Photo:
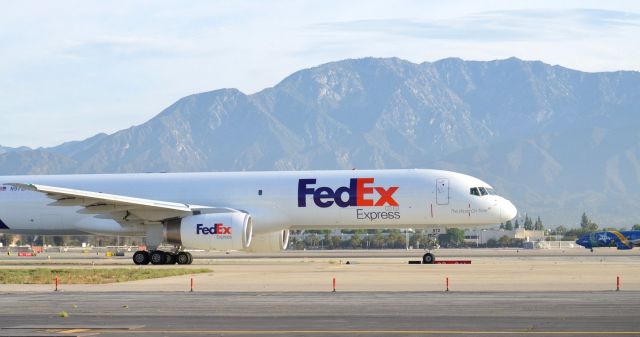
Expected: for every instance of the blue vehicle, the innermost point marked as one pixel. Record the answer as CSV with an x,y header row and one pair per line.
x,y
621,240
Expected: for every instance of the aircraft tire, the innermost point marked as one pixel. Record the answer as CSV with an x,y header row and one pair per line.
x,y
158,257
428,258
183,258
190,258
141,257
170,258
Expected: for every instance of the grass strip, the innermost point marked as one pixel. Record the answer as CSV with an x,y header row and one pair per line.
x,y
90,276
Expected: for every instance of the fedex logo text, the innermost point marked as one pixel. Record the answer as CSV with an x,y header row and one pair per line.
x,y
358,193
218,229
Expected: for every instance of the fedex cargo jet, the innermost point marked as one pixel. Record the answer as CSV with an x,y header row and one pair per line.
x,y
251,211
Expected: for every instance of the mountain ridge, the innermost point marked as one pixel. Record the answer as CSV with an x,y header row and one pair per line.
x,y
533,130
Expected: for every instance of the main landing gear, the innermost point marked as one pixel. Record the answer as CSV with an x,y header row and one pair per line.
x,y
142,257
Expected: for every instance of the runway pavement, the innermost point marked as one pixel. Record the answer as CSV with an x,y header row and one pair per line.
x,y
508,270
203,256
606,313
503,292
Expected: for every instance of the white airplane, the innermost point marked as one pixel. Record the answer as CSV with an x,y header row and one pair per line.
x,y
251,211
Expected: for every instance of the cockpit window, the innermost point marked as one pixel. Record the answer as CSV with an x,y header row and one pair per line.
x,y
480,191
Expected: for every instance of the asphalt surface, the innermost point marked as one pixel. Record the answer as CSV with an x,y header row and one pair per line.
x,y
322,314
341,254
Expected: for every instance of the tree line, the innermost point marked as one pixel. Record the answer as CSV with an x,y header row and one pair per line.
x,y
528,224
586,226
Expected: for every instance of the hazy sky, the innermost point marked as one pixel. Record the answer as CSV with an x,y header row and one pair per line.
x,y
71,69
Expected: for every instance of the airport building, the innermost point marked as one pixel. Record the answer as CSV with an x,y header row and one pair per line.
x,y
531,239
481,236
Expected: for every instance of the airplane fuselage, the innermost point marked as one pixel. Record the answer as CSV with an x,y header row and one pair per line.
x,y
622,240
275,200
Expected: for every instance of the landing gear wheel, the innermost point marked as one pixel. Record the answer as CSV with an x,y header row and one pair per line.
x,y
190,258
428,258
158,257
170,258
183,258
141,257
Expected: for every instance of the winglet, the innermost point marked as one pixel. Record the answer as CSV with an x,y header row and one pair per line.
x,y
28,187
3,225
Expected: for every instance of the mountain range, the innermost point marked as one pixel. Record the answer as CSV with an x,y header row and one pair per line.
x,y
557,142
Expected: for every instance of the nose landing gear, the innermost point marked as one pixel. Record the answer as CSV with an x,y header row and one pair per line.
x,y
428,258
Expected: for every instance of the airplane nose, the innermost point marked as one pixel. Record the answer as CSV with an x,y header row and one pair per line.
x,y
507,211
584,242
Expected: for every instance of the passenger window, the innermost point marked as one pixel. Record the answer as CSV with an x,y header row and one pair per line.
x,y
483,191
474,191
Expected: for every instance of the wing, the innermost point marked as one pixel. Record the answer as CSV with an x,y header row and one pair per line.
x,y
126,210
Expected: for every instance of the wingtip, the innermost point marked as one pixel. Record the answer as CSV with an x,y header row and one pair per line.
x,y
30,187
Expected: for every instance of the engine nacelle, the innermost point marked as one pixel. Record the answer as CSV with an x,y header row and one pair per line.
x,y
218,231
622,246
270,242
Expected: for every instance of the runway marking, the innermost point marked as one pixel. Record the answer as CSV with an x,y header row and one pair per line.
x,y
73,331
376,332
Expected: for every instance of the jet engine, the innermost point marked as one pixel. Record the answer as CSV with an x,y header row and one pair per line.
x,y
622,246
216,231
269,242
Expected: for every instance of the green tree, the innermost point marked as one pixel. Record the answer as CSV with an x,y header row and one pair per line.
x,y
336,242
423,241
587,225
572,234
454,237
356,242
538,225
396,239
296,244
516,225
492,243
516,242
312,241
636,227
328,243
504,241
560,230
508,225
528,224
377,241
457,235
314,231
585,221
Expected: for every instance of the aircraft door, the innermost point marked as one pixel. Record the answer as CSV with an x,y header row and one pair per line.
x,y
442,191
